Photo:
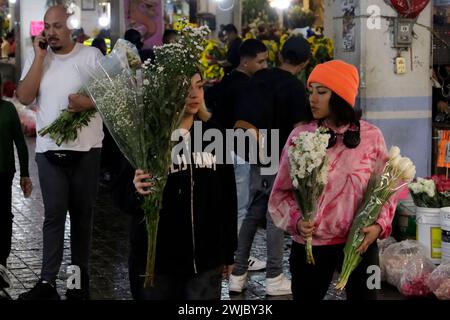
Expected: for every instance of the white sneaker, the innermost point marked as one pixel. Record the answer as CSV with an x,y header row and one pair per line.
x,y
278,286
254,264
5,281
237,284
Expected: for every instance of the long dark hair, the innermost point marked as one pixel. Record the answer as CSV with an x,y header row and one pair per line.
x,y
344,114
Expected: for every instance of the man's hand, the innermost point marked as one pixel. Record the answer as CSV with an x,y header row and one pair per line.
x,y
227,271
372,233
79,102
27,186
38,51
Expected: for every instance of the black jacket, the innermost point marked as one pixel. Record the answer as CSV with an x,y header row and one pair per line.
x,y
275,99
199,199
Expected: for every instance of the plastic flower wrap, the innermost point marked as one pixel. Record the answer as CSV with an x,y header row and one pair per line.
x,y
382,246
65,128
414,280
143,108
309,173
439,281
397,172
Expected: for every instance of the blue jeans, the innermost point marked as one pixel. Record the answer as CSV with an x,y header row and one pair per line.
x,y
242,176
260,188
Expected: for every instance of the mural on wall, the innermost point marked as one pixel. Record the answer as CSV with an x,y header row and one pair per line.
x,y
146,17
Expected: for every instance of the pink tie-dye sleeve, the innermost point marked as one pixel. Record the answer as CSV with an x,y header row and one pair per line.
x,y
387,213
282,204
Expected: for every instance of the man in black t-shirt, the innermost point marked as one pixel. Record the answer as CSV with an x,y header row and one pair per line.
x,y
223,99
276,99
233,40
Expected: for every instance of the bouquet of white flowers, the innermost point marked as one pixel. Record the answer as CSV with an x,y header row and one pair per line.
x,y
142,108
309,173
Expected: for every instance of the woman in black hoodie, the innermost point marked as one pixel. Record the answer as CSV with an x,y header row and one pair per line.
x,y
198,221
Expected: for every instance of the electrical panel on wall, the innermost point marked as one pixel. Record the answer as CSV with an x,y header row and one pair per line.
x,y
403,33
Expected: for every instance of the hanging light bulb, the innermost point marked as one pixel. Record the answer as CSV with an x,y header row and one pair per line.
x,y
280,4
74,22
12,1
8,15
103,21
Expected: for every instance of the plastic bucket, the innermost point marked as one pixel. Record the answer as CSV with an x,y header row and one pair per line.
x,y
406,219
429,231
445,225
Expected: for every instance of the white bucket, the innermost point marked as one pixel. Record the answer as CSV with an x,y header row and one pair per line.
x,y
445,225
429,232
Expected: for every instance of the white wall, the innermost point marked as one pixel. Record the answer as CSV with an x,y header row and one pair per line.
x,y
400,105
89,20
30,10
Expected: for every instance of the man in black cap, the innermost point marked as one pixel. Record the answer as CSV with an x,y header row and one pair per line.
x,y
276,99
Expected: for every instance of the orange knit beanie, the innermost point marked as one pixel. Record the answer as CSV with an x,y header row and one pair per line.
x,y
338,76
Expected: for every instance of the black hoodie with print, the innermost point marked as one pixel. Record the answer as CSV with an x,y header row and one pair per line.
x,y
198,221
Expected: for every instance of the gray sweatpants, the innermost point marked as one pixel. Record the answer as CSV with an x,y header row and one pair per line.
x,y
73,189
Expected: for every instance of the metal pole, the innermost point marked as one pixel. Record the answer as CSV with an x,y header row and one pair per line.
x,y
18,57
116,6
237,15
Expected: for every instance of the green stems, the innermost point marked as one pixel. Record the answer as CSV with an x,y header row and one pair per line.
x,y
65,127
151,207
309,254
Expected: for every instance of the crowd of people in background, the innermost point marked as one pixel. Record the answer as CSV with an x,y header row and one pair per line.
x,y
232,202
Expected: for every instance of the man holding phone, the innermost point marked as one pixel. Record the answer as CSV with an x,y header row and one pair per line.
x,y
68,174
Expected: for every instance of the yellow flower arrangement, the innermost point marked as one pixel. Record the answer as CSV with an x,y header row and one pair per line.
x,y
283,39
179,24
272,49
322,50
214,51
249,35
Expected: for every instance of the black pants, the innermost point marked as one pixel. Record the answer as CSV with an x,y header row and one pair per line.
x,y
74,189
205,285
311,282
6,216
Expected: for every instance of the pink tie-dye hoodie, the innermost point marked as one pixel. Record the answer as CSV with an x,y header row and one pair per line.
x,y
348,174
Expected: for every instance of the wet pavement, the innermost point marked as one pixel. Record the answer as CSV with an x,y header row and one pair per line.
x,y
109,254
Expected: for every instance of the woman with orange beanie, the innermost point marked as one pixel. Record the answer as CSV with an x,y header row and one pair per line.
x,y
354,149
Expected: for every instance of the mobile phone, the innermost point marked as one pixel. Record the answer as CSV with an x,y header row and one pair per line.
x,y
43,44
